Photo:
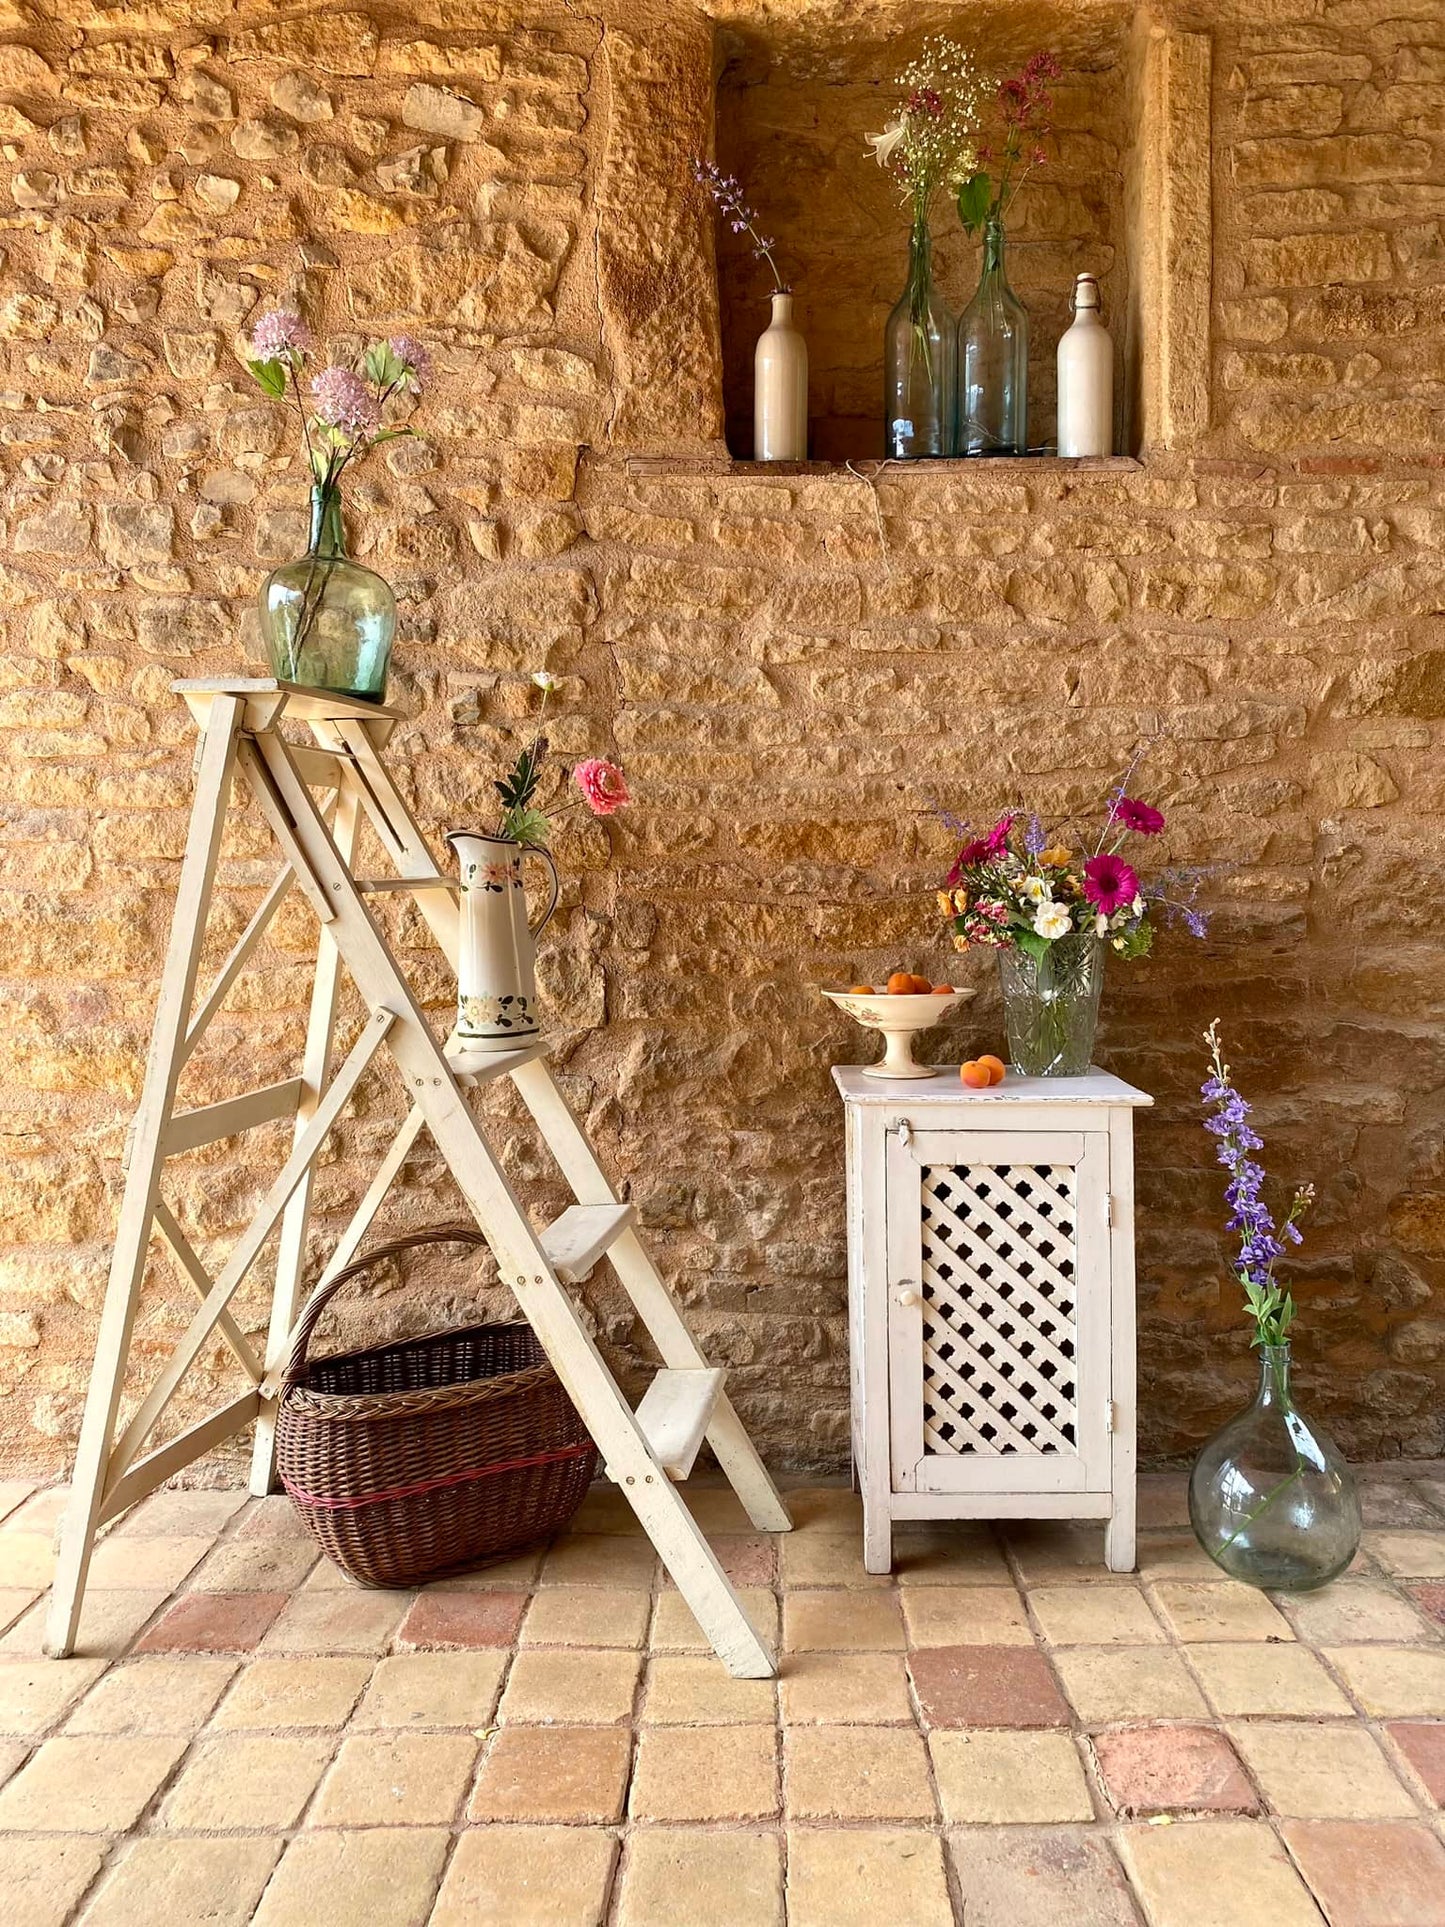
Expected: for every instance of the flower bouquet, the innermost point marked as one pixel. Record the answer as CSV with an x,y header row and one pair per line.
x,y
1053,915
329,621
927,146
1270,1499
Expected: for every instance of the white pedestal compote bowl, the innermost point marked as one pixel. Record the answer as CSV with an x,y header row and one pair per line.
x,y
900,1018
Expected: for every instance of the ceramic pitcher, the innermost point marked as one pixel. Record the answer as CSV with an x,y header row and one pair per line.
x,y
496,977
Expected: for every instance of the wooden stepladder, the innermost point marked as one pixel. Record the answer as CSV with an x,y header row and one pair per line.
x,y
341,771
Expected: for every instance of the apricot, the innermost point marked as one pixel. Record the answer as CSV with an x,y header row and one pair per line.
x,y
943,990
975,1075
995,1068
922,987
861,990
900,984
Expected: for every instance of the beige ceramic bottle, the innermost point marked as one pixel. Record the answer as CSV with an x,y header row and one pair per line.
x,y
1086,377
780,388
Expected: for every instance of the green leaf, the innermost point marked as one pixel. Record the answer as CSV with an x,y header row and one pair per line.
x,y
270,375
527,826
383,365
975,198
1031,943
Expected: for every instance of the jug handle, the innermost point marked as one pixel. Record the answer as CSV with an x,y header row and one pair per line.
x,y
546,918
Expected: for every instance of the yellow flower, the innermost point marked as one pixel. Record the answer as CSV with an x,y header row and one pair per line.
x,y
960,943
960,901
1055,858
945,903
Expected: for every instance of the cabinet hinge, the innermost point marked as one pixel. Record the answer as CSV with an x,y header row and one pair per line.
x,y
1113,1212
904,1131
1111,1415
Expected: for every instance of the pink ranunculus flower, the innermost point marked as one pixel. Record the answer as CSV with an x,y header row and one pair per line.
x,y
1142,818
1109,883
603,785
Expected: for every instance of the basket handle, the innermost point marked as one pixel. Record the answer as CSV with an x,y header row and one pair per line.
x,y
442,1234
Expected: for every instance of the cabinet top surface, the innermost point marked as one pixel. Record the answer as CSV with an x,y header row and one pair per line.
x,y
1094,1087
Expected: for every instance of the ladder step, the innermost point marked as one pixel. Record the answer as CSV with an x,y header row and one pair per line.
x,y
580,1236
675,1412
483,1065
381,886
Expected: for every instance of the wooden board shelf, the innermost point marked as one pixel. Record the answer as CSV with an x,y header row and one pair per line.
x,y
871,467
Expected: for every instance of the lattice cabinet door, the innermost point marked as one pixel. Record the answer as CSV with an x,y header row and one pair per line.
x,y
998,1311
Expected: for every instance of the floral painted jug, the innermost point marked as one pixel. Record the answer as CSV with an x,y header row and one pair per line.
x,y
496,975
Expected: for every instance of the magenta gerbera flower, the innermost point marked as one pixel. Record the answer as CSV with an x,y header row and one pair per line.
x,y
280,332
1142,818
1109,883
998,836
343,400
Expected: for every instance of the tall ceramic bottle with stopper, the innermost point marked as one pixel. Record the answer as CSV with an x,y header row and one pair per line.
x,y
1086,377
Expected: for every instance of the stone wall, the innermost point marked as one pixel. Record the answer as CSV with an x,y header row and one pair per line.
x,y
796,669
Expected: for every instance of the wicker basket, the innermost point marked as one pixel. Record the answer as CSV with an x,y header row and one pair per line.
x,y
430,1455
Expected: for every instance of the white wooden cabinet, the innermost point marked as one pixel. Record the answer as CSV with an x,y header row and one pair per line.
x,y
991,1301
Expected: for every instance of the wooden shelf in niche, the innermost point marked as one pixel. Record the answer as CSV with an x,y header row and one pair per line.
x,y
870,468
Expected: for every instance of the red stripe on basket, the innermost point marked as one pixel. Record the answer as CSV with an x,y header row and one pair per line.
x,y
434,1485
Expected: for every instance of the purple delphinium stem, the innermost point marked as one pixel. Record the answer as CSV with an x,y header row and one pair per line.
x,y
1261,1241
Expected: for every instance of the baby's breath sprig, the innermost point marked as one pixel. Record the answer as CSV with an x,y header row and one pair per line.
x,y
930,143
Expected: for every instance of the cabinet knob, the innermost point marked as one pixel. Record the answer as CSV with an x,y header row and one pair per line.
x,y
909,1295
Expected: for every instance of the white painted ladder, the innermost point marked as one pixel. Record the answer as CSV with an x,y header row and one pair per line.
x,y
644,1451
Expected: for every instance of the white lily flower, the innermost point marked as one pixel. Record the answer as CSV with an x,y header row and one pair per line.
x,y
883,144
544,679
1053,920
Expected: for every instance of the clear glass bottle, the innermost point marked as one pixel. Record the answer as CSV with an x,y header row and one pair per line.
x,y
993,360
1051,1005
327,621
919,362
1270,1499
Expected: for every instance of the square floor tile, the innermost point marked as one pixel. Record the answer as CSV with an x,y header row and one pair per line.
x,y
1430,1600
857,1773
1174,1555
987,1686
249,1780
706,1773
844,1689
1216,1873
1355,1611
1009,1778
1218,1609
965,1616
153,1696
382,1877
191,1514
147,1565
1172,1769
34,1693
558,1773
587,1616
528,1877
1409,1555
88,1785
1379,1873
687,1690
42,1878
842,1622
583,1686
675,1630
434,1689
1265,1679
1319,1771
1128,1683
336,1622
213,1622
731,1879
215,1881
109,1623
948,1554
294,1692
824,1559
441,1620
859,1876
267,1564
396,1779
1039,1877
1394,1682
600,1559
27,1560
1095,1616
1053,1554
1423,1744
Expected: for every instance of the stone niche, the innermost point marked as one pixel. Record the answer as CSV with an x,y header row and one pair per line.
x,y
1126,196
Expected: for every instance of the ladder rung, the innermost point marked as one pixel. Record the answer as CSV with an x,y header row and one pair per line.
x,y
580,1236
380,886
231,1115
483,1065
675,1412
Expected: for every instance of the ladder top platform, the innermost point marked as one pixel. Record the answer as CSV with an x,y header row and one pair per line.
x,y
1094,1087
266,696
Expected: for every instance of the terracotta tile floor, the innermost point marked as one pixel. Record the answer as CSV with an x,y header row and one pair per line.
x,y
1001,1734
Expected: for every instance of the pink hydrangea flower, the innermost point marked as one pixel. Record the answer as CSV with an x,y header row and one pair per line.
x,y
418,359
280,332
343,400
1142,818
603,785
1109,883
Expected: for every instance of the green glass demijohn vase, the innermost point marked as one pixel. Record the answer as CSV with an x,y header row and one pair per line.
x,y
328,622
1270,1499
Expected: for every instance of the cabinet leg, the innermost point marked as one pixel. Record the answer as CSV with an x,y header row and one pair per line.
x,y
1119,1536
877,1538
